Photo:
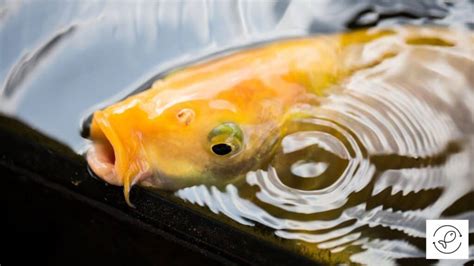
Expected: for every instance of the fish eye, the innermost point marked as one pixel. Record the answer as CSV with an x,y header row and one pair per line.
x,y
222,149
225,139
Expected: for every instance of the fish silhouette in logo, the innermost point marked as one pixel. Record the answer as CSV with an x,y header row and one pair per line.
x,y
448,238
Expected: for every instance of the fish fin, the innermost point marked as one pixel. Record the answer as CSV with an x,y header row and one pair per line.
x,y
443,243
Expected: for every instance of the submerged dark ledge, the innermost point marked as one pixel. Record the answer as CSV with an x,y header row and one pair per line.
x,y
56,213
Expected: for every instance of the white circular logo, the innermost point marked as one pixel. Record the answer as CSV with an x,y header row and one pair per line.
x,y
447,239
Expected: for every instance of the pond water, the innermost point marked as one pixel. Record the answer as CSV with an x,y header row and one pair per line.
x,y
395,149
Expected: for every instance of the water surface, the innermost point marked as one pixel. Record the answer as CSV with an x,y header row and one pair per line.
x,y
392,149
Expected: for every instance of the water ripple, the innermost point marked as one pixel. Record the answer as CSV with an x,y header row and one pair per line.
x,y
394,132
29,61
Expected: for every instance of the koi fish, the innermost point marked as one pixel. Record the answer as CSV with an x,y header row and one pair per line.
x,y
212,122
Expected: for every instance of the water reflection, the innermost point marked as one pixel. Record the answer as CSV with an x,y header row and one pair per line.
x,y
110,48
387,150
357,178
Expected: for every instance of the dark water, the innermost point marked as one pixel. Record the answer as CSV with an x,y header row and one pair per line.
x,y
398,148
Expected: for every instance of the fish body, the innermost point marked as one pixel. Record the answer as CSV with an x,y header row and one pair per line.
x,y
213,122
448,238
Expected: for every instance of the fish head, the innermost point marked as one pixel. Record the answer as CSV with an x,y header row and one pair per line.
x,y
183,132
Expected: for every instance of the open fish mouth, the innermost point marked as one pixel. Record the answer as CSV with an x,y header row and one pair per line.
x,y
110,160
102,155
101,160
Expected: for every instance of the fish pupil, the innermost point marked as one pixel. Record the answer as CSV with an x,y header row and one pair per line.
x,y
222,149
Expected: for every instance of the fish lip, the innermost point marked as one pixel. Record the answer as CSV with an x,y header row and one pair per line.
x,y
106,156
102,164
102,155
